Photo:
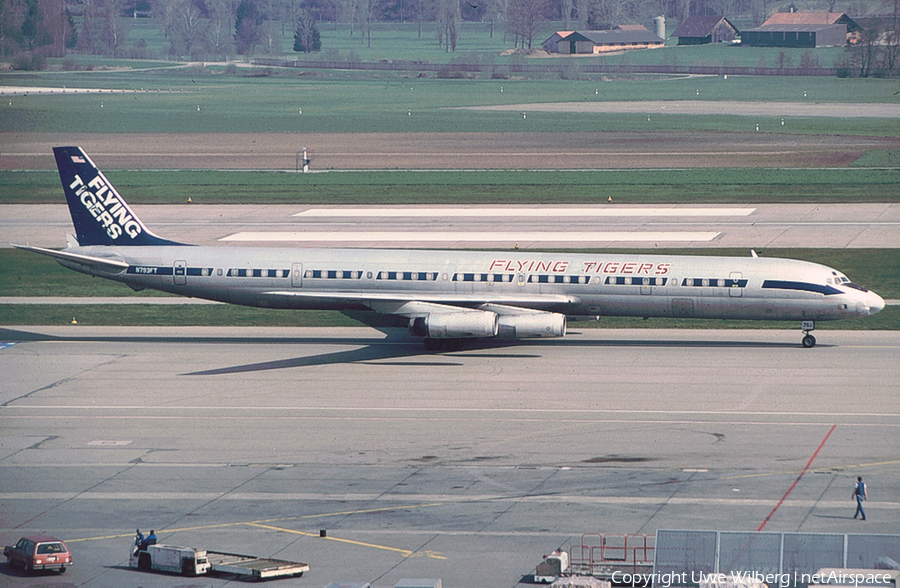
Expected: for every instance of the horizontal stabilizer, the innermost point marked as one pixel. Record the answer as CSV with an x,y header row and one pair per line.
x,y
98,263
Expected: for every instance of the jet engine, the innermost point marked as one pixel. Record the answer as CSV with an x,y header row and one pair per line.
x,y
537,324
455,325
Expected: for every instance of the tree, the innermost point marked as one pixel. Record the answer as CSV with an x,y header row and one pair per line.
x,y
188,30
12,15
601,14
91,27
365,13
567,8
114,28
447,23
247,27
221,23
306,34
422,10
270,37
524,17
347,12
58,29
891,49
863,55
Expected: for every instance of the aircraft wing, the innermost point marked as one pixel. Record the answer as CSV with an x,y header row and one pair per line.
x,y
102,264
418,303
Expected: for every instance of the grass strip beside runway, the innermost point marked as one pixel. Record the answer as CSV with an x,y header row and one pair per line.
x,y
522,187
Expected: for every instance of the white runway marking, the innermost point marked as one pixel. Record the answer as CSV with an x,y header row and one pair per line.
x,y
508,212
454,237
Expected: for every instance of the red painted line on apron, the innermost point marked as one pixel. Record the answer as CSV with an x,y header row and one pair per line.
x,y
797,481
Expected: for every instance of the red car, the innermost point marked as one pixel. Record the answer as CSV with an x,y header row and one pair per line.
x,y
40,552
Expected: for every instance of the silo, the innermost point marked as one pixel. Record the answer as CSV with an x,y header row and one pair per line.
x,y
660,22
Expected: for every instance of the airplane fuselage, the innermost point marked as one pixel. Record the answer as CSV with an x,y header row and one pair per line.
x,y
577,285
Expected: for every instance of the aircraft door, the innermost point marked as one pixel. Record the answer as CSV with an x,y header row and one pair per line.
x,y
180,272
646,288
297,275
734,289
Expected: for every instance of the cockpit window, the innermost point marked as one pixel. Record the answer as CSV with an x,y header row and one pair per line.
x,y
842,280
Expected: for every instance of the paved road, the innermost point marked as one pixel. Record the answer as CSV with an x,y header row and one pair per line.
x,y
608,226
463,466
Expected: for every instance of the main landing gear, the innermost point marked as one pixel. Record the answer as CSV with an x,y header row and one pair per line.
x,y
808,341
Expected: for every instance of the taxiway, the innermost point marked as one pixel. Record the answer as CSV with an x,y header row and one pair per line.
x,y
462,466
605,226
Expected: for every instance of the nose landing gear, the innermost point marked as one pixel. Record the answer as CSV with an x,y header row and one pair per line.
x,y
808,340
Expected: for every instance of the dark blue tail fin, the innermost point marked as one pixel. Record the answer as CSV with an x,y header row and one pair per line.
x,y
100,215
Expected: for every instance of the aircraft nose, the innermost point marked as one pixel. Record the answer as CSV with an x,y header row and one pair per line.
x,y
875,303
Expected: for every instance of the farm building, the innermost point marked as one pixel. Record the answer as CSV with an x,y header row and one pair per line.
x,y
595,42
803,29
824,18
631,28
700,30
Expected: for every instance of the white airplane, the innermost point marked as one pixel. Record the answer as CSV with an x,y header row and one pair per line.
x,y
446,296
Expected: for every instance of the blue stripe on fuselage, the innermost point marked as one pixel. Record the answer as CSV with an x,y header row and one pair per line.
x,y
804,286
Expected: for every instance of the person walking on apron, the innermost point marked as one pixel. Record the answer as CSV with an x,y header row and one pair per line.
x,y
859,492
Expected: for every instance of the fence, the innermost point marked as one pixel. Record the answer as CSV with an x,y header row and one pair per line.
x,y
688,554
601,554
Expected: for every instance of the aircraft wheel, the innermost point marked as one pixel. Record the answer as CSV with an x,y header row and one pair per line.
x,y
144,562
809,341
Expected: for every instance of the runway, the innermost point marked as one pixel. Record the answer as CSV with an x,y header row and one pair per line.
x,y
465,466
869,225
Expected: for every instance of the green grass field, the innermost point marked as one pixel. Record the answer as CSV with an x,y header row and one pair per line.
x,y
706,186
239,104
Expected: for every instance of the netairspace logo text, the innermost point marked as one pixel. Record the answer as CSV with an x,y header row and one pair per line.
x,y
749,579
